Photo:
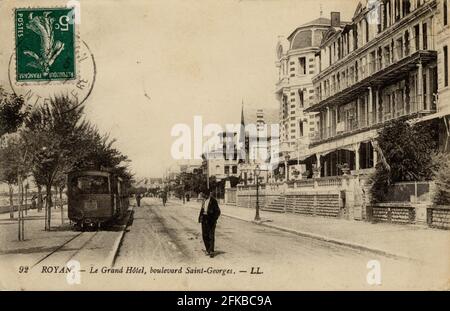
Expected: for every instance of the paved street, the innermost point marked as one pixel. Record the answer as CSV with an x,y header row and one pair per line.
x,y
160,241
170,237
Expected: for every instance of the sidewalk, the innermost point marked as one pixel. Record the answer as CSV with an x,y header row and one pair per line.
x,y
407,241
37,241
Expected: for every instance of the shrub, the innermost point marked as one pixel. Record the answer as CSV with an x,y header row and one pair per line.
x,y
442,178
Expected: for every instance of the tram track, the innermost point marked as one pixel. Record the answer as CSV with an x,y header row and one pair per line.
x,y
66,247
88,246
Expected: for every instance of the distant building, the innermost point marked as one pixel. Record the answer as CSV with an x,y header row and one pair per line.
x,y
241,151
222,162
260,145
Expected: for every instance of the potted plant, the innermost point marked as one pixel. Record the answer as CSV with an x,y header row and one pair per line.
x,y
344,167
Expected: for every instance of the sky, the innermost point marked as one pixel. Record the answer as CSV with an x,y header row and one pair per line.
x,y
160,63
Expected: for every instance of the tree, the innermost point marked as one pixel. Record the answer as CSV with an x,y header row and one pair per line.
x,y
100,154
54,134
12,112
8,171
406,152
14,168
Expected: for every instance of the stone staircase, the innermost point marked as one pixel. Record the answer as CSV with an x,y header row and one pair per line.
x,y
275,205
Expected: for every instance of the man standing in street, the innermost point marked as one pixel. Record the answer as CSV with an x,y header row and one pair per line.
x,y
209,214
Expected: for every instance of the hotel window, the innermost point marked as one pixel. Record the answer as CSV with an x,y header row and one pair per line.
x,y
416,36
445,66
367,29
445,9
301,98
234,169
425,36
227,170
397,9
329,54
406,7
302,65
300,127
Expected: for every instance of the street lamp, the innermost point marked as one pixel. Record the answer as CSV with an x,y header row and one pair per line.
x,y
257,172
287,158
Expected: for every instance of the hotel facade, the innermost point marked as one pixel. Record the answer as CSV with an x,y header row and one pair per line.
x,y
389,62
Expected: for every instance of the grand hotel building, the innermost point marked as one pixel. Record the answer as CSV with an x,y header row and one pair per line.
x,y
389,62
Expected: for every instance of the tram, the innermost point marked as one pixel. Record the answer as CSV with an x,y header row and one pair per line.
x,y
95,199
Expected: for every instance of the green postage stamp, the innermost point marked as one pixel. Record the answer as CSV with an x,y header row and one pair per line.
x,y
45,44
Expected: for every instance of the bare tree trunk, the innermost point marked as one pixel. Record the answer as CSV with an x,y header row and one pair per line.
x,y
19,210
26,200
48,206
39,198
11,202
56,197
62,205
45,215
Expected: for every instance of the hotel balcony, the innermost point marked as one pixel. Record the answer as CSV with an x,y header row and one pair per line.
x,y
374,120
376,73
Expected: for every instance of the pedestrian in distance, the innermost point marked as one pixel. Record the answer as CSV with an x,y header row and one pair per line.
x,y
209,213
164,197
34,201
138,199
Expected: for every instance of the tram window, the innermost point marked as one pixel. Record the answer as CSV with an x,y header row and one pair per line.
x,y
90,185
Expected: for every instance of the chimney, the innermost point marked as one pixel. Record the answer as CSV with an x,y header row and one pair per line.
x,y
335,19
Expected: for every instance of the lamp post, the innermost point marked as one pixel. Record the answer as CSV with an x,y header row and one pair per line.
x,y
287,158
257,172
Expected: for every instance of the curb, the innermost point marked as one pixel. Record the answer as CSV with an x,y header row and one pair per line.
x,y
319,237
111,258
328,239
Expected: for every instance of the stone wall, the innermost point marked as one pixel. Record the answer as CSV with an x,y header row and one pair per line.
x,y
324,203
319,204
393,213
439,217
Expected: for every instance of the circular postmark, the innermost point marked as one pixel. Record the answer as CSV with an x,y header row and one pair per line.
x,y
50,59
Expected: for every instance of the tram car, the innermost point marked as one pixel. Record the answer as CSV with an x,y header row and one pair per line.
x,y
95,199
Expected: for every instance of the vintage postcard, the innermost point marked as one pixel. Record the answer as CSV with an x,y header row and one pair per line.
x,y
224,145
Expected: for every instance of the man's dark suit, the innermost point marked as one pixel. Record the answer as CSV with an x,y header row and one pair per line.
x,y
208,222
